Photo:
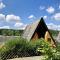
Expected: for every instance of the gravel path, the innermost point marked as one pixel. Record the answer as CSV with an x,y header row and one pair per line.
x,y
29,58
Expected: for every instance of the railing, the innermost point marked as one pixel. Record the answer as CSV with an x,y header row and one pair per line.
x,y
5,38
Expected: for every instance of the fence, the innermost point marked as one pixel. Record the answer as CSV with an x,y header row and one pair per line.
x,y
5,38
17,48
26,50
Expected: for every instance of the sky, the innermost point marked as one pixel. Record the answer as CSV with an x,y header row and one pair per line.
x,y
17,14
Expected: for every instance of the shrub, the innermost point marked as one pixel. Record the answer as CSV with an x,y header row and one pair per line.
x,y
20,48
11,48
50,53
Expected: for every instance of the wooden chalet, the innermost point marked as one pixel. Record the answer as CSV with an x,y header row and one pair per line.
x,y
38,30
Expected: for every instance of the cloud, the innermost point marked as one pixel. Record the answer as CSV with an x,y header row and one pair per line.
x,y
56,16
53,26
2,5
4,27
42,7
45,17
59,6
16,22
31,16
50,9
20,26
2,17
12,18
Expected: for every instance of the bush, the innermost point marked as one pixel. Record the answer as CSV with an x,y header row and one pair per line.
x,y
12,48
50,53
20,48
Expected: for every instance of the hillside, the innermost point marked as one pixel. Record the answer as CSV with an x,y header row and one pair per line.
x,y
11,32
54,32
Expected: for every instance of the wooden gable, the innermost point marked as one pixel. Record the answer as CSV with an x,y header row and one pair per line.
x,y
38,30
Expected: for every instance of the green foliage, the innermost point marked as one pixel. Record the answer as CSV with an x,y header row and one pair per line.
x,y
19,48
10,32
50,53
12,48
54,32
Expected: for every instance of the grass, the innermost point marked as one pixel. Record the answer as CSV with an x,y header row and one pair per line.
x,y
20,47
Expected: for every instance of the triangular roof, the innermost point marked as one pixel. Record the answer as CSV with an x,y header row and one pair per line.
x,y
58,37
30,29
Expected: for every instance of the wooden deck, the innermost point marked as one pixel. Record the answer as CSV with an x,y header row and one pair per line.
x,y
29,58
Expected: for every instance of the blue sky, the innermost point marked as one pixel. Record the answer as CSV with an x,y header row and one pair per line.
x,y
17,14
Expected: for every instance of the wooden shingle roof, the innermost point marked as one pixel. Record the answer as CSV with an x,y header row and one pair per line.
x,y
39,28
30,30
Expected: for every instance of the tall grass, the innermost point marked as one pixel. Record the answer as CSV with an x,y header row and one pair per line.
x,y
20,48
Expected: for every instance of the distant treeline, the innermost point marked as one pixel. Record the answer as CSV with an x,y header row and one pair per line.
x,y
54,32
11,32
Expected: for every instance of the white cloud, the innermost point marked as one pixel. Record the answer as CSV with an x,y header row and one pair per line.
x,y
2,5
20,26
56,16
50,9
16,22
42,7
31,16
53,26
9,18
45,17
2,17
59,6
4,27
12,18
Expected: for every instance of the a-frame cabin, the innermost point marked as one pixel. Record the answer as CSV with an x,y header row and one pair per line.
x,y
38,30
